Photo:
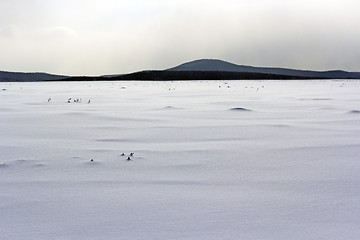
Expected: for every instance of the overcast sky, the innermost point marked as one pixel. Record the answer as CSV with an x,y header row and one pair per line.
x,y
93,37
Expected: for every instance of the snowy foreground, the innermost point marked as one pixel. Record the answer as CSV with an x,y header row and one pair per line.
x,y
256,160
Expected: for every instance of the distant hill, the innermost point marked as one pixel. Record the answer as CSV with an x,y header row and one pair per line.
x,y
204,69
219,65
28,77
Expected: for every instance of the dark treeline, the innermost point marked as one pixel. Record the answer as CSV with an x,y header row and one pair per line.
x,y
188,75
199,75
85,79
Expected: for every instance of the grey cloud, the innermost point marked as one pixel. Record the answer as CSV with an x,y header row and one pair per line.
x,y
58,33
10,31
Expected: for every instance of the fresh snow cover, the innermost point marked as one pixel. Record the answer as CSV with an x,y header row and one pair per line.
x,y
254,160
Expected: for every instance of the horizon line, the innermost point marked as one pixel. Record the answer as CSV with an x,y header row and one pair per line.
x,y
191,61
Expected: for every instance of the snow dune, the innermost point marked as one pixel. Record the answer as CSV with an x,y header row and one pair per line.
x,y
256,160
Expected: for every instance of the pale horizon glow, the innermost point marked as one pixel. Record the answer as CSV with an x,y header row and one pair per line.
x,y
107,37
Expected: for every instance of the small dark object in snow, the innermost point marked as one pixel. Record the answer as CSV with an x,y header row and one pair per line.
x,y
239,109
4,89
131,154
128,159
355,111
123,154
91,160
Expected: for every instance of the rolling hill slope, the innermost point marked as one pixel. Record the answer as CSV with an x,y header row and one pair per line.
x,y
28,77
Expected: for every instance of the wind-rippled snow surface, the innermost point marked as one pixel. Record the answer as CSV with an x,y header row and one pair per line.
x,y
212,160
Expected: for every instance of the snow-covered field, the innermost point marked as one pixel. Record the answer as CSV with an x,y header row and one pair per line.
x,y
212,160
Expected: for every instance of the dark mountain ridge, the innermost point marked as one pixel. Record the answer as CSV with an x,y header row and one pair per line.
x,y
219,65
